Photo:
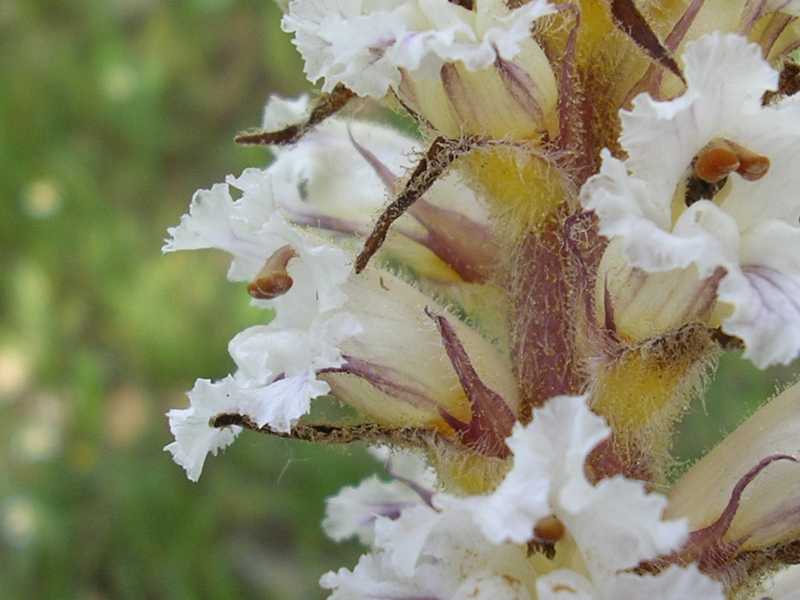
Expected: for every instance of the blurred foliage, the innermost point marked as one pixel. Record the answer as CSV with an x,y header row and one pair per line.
x,y
737,390
111,114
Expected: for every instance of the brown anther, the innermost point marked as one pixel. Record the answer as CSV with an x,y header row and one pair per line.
x,y
722,157
716,161
752,166
273,280
549,529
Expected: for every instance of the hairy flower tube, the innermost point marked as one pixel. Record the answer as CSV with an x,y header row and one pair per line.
x,y
522,293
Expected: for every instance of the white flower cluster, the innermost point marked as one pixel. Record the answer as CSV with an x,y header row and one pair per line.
x,y
444,546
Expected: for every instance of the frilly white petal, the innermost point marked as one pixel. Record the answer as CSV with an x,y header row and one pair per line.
x,y
445,558
261,352
620,525
365,45
673,583
277,367
194,438
549,456
353,511
374,577
252,229
627,210
615,523
281,403
278,404
405,538
765,294
565,431
663,137
278,362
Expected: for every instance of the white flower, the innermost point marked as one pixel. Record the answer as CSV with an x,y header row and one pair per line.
x,y
748,227
253,229
279,404
323,176
353,511
365,45
311,342
278,362
613,525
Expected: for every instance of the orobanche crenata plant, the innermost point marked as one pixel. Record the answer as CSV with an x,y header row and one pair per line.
x,y
522,299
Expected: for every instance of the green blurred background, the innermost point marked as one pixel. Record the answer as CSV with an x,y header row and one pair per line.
x,y
112,113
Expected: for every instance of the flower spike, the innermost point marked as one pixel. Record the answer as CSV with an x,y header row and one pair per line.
x,y
598,235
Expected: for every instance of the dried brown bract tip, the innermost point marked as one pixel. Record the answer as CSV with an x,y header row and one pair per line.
x,y
442,153
788,84
725,341
468,4
326,106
